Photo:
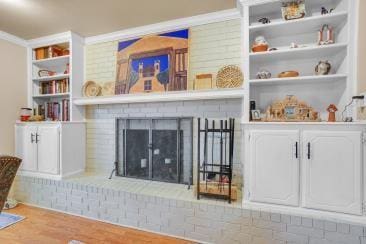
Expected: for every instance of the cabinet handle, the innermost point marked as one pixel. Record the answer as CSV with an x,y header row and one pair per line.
x,y
309,153
32,137
296,150
37,140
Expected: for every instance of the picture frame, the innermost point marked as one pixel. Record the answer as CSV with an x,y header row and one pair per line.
x,y
293,9
256,114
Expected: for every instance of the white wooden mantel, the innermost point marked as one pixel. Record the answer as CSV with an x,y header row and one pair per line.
x,y
162,97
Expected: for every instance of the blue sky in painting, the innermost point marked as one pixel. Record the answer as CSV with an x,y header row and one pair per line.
x,y
177,34
122,45
149,61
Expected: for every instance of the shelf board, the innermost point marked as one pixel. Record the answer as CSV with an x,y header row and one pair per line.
x,y
300,80
57,95
163,97
305,25
310,51
54,77
52,62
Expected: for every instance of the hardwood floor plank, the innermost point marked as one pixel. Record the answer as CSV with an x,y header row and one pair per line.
x,y
48,227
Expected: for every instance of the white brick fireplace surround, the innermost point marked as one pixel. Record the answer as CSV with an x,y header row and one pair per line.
x,y
171,209
134,203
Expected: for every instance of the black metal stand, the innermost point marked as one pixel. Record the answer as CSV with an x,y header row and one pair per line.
x,y
216,171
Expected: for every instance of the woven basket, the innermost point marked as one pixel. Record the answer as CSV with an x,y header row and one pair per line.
x,y
229,77
91,89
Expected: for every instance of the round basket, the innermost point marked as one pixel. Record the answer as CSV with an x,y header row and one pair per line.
x,y
108,88
229,77
91,89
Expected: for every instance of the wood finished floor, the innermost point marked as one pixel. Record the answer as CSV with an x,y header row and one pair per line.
x,y
49,227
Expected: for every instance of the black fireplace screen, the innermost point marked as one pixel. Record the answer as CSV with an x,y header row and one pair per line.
x,y
155,149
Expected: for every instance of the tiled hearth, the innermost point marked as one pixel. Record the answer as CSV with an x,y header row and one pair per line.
x,y
173,210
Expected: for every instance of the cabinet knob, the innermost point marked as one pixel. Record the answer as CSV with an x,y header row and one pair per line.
x,y
32,137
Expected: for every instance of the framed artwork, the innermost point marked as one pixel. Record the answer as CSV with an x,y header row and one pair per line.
x,y
155,63
293,9
256,115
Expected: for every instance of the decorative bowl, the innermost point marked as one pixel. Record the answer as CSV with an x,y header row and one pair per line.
x,y
260,48
288,74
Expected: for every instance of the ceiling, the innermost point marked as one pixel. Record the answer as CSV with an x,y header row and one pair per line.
x,y
29,19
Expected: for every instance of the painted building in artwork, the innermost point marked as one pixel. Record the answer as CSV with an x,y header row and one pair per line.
x,y
154,63
147,79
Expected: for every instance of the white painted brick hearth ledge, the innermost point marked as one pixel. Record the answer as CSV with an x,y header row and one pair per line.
x,y
133,203
163,97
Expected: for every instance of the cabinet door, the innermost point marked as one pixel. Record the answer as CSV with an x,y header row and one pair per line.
x,y
26,147
332,171
274,160
48,149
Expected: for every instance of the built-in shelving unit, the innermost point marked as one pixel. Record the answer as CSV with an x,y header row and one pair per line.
x,y
318,91
62,54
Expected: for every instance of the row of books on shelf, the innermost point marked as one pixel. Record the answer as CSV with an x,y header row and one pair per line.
x,y
50,52
55,111
54,86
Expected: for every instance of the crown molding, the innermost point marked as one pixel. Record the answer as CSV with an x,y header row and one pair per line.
x,y
166,26
50,39
13,39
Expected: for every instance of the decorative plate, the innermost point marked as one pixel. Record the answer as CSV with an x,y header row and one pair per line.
x,y
229,77
108,88
91,89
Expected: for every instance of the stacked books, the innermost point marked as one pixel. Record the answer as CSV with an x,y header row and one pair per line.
x,y
49,52
55,111
54,87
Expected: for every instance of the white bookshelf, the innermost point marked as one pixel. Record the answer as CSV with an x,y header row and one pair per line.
x,y
317,91
75,60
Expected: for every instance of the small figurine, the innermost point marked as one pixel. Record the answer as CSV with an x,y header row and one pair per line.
x,y
264,74
294,45
323,68
264,20
329,38
260,44
331,110
324,11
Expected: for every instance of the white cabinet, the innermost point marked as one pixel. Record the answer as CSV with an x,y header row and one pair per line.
x,y
51,150
332,171
48,149
275,166
311,167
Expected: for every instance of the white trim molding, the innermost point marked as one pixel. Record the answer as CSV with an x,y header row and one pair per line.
x,y
170,25
13,39
49,40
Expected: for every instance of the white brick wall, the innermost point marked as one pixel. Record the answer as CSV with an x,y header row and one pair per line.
x,y
101,119
198,220
211,47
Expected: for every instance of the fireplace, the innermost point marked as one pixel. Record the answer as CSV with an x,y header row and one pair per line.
x,y
158,149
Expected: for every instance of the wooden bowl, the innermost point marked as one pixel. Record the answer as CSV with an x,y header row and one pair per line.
x,y
288,74
260,48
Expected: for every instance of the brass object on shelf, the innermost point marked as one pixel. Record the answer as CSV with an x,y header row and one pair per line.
x,y
288,74
229,77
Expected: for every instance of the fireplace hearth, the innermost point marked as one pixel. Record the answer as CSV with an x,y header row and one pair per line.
x,y
158,149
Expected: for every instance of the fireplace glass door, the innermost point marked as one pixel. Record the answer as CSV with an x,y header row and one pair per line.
x,y
157,149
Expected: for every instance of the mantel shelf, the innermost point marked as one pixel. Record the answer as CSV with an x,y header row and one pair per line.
x,y
162,97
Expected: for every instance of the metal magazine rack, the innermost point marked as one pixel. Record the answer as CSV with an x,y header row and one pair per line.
x,y
215,149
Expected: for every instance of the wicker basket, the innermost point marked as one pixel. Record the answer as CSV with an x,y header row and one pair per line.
x,y
229,77
91,89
